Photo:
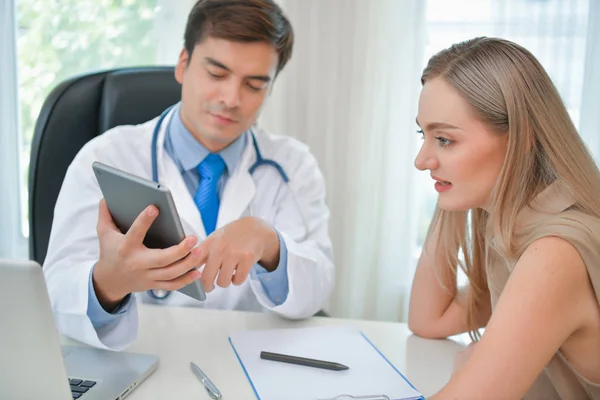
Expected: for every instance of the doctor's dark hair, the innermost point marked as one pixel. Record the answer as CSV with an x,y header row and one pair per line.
x,y
243,21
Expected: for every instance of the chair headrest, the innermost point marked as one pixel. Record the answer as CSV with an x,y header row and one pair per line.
x,y
136,96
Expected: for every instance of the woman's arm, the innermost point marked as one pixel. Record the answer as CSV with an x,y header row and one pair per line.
x,y
538,310
439,310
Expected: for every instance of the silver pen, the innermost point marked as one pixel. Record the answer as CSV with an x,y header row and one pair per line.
x,y
210,387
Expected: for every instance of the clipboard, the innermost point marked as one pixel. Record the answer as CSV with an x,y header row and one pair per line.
x,y
371,375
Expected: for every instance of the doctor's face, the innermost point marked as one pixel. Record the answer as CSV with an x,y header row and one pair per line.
x,y
224,87
463,156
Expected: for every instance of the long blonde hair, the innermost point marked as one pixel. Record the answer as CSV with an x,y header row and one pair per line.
x,y
512,95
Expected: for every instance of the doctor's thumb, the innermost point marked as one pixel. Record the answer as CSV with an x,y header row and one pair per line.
x,y
105,221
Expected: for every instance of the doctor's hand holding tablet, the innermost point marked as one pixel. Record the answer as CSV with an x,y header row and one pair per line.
x,y
147,250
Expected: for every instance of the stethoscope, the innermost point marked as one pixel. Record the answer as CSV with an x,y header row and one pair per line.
x,y
260,161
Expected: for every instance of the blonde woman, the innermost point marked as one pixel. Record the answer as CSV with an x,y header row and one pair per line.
x,y
519,212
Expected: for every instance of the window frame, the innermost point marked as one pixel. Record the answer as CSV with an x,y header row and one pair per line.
x,y
13,243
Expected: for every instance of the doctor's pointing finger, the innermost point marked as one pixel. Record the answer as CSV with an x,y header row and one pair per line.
x,y
230,252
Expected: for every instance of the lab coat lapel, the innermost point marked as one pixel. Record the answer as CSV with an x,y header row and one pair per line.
x,y
188,211
239,189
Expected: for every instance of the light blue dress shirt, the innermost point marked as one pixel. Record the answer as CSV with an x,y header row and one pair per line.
x,y
187,153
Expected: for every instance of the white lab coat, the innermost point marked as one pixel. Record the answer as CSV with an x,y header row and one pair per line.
x,y
73,248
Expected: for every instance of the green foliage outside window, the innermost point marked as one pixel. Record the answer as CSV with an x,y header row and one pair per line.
x,y
58,39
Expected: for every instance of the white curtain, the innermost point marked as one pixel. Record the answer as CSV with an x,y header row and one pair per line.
x,y
589,123
350,93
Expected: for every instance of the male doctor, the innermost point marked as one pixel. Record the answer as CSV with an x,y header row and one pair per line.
x,y
264,245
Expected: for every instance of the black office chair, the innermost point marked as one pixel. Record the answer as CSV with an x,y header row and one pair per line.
x,y
76,111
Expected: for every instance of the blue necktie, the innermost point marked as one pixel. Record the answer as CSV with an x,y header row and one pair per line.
x,y
206,197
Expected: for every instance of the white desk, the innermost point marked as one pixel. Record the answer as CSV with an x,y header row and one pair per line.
x,y
180,335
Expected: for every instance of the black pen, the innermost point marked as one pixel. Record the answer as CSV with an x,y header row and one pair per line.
x,y
308,362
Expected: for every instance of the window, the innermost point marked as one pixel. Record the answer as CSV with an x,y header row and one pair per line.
x,y
56,40
60,39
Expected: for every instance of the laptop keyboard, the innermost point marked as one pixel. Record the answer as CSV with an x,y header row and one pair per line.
x,y
79,387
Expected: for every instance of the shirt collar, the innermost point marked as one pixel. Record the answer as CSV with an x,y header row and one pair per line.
x,y
554,199
190,152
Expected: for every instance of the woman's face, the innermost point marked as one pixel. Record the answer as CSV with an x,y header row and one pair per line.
x,y
462,154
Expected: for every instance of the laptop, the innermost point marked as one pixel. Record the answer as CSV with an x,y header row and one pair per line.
x,y
34,365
